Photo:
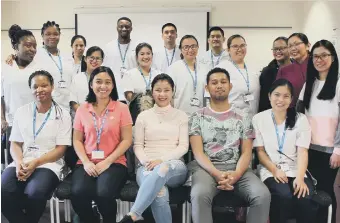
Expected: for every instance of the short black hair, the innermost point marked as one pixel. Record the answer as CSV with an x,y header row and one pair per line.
x,y
16,34
301,36
91,97
40,73
285,39
217,70
49,24
169,24
78,37
124,18
231,38
93,49
184,38
215,28
141,45
163,77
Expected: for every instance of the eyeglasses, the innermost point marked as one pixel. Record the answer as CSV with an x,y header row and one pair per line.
x,y
187,47
279,49
236,47
322,56
294,45
95,59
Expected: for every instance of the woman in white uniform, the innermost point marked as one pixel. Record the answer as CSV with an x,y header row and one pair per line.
x,y
138,80
80,82
189,77
78,44
282,140
14,89
40,134
246,85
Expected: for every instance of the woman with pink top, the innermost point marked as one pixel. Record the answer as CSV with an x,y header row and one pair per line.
x,y
161,139
320,100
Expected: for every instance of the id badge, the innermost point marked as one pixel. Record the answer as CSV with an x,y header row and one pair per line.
x,y
195,102
97,154
34,150
248,97
123,71
283,166
62,84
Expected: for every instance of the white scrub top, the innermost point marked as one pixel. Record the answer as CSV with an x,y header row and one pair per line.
x,y
57,131
211,60
163,58
79,88
185,85
14,87
113,59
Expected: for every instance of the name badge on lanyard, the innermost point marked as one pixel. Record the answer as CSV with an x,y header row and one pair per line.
x,y
123,69
194,101
248,96
147,83
97,153
61,83
167,58
218,59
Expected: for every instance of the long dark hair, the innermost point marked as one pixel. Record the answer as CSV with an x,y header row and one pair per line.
x,y
82,62
291,112
91,97
51,81
184,38
328,90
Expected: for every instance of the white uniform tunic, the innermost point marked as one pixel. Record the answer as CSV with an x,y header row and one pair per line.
x,y
164,58
79,88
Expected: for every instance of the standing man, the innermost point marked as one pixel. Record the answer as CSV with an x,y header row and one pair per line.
x,y
216,54
120,54
268,74
171,53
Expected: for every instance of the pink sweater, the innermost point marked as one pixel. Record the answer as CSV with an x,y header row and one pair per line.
x,y
161,133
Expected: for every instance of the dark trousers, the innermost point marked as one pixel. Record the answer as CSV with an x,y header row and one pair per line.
x,y
104,190
25,201
284,203
319,167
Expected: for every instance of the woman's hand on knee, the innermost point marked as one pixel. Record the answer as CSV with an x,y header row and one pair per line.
x,y
280,176
90,169
102,166
300,187
152,164
29,168
19,170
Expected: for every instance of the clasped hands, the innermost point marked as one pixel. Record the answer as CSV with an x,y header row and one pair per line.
x,y
226,180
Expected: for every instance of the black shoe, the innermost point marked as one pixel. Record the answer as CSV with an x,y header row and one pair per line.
x,y
126,219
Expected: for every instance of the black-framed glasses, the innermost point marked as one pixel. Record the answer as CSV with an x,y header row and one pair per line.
x,y
279,49
187,47
95,59
323,56
236,47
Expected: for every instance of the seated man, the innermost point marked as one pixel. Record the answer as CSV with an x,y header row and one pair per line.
x,y
221,140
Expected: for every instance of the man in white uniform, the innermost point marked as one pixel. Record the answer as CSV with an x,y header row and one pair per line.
x,y
120,54
166,56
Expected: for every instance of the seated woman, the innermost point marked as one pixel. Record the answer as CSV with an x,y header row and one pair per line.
x,y
282,140
161,139
40,135
102,134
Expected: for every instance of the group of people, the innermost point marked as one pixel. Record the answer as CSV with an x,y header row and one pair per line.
x,y
289,114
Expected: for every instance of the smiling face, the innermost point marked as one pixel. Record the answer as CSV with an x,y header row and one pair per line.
x,y
218,86
124,29
78,47
280,98
94,60
189,49
144,57
41,88
297,49
162,93
238,49
102,85
216,39
51,37
280,50
322,59
27,48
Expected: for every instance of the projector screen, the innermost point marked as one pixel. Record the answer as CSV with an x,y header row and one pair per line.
x,y
99,26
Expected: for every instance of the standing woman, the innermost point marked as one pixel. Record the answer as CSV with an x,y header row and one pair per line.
x,y
102,133
80,82
78,44
161,140
320,101
138,80
58,66
246,87
14,89
295,73
189,77
40,135
284,160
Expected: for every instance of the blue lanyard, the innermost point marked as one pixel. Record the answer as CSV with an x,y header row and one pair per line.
x,y
120,52
147,84
172,58
218,59
246,79
35,133
60,68
99,131
282,141
194,78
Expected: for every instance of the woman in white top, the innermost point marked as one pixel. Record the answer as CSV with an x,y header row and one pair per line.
x,y
80,82
41,132
14,89
189,77
246,85
138,80
282,140
78,44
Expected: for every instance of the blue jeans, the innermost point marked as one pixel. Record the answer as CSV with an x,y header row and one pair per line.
x,y
153,189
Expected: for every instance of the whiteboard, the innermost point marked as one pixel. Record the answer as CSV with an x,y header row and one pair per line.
x,y
259,43
100,28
